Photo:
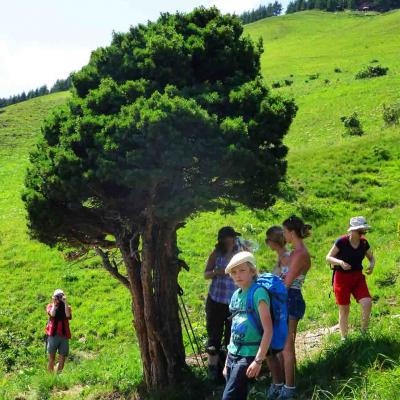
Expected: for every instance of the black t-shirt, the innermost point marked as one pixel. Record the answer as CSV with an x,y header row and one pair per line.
x,y
349,254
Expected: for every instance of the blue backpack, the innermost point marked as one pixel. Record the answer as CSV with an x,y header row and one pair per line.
x,y
279,312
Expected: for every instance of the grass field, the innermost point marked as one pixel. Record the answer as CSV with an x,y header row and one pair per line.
x,y
331,177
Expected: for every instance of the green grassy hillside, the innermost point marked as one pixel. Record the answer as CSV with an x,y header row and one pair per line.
x,y
331,177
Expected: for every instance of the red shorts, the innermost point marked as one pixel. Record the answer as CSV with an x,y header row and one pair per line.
x,y
346,284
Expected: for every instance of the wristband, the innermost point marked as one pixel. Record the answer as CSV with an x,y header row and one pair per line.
x,y
259,362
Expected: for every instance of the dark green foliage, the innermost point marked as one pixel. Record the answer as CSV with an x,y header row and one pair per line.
x,y
62,85
172,116
13,350
372,72
59,86
337,70
352,125
313,77
271,10
285,82
4,102
391,114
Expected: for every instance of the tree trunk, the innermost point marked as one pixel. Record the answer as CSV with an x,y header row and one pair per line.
x,y
153,281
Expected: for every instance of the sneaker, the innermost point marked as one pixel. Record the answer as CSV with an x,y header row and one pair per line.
x,y
287,393
273,392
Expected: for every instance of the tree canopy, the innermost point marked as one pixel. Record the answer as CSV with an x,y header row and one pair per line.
x,y
173,114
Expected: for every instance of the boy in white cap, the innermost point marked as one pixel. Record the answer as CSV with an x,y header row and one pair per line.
x,y
346,256
247,348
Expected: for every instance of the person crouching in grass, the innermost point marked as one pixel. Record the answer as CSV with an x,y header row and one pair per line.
x,y
247,349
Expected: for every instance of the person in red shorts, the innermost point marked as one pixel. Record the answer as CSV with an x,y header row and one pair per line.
x,y
346,256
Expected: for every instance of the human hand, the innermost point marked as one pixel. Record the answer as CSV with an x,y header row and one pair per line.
x,y
225,372
219,271
369,270
345,266
254,370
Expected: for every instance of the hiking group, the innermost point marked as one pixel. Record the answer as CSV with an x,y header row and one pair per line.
x,y
251,318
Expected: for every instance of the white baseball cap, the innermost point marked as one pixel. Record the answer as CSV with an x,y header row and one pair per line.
x,y
58,292
357,223
240,258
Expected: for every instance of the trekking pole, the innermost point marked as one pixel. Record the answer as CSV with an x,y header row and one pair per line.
x,y
189,327
192,330
187,332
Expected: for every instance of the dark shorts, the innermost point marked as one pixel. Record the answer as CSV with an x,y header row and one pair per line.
x,y
237,382
296,304
346,284
218,324
58,343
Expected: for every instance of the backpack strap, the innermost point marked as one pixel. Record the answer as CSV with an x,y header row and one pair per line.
x,y
251,310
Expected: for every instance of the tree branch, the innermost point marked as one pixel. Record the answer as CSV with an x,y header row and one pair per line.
x,y
112,269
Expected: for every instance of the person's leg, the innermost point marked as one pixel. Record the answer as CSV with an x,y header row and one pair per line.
x,y
52,346
344,311
61,362
215,329
289,354
275,365
366,305
237,382
52,360
342,287
362,295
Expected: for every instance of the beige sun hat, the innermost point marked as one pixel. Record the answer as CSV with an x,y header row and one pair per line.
x,y
357,223
240,258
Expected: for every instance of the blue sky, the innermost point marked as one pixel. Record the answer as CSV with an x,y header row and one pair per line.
x,y
42,40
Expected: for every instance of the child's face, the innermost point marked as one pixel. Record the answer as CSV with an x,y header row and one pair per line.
x,y
243,275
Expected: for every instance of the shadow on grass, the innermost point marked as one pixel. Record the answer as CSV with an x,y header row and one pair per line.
x,y
350,360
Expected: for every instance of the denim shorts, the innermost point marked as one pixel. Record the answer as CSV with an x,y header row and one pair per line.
x,y
60,343
296,304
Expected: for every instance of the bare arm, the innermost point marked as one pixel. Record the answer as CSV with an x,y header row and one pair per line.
x,y
53,309
210,271
371,259
255,367
331,258
67,308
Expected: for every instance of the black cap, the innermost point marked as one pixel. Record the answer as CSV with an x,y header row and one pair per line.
x,y
227,231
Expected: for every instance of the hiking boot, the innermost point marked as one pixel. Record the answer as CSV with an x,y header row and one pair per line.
x,y
287,393
274,391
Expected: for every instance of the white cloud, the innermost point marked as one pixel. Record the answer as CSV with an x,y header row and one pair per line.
x,y
27,66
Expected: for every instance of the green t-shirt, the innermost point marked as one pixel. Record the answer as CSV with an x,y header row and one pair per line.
x,y
242,329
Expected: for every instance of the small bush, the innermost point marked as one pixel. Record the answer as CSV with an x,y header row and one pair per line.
x,y
276,84
352,125
337,70
391,114
326,81
374,61
313,77
372,72
288,82
381,154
